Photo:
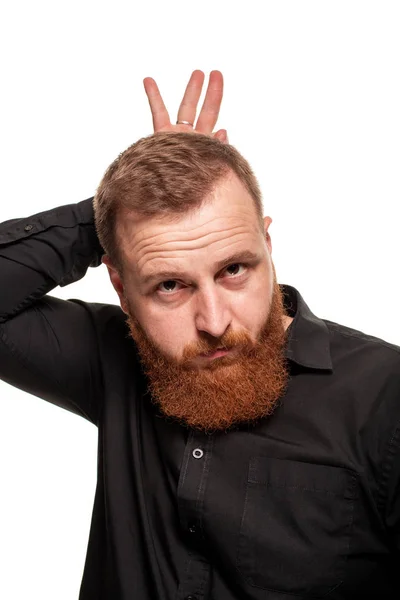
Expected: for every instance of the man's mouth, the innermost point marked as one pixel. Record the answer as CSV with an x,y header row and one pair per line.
x,y
215,353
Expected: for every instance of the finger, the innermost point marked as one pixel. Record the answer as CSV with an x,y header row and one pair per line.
x,y
188,107
222,136
158,111
212,103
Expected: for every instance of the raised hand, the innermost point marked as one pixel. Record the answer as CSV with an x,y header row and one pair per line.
x,y
208,116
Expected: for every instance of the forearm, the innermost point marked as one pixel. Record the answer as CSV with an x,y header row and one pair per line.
x,y
38,253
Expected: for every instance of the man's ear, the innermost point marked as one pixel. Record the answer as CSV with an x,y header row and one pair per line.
x,y
116,281
267,223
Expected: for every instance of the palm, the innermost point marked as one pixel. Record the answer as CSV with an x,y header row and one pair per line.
x,y
188,108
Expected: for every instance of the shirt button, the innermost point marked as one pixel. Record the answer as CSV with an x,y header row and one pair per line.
x,y
198,453
28,227
192,528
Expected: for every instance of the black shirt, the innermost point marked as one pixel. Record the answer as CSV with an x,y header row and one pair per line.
x,y
306,504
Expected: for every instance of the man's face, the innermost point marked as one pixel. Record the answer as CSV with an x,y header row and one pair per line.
x,y
203,282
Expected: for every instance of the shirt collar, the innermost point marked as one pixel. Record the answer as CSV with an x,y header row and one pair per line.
x,y
308,336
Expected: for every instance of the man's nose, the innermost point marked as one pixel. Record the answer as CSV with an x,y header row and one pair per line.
x,y
212,314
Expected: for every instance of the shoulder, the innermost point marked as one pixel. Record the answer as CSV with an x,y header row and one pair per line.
x,y
360,350
367,371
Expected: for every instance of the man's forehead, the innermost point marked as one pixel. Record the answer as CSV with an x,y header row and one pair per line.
x,y
161,243
144,232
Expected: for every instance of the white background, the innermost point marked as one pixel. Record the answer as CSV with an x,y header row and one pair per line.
x,y
312,100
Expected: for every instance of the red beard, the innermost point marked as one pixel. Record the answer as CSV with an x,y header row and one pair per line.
x,y
237,388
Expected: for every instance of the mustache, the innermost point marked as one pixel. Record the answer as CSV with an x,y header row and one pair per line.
x,y
231,340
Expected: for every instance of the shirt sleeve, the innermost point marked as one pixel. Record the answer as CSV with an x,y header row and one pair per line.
x,y
48,346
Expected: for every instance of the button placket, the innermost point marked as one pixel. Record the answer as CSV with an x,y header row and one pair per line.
x,y
191,489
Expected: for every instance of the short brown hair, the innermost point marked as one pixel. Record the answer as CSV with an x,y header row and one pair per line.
x,y
166,174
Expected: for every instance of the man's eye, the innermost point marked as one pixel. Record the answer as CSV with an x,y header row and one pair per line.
x,y
168,284
234,267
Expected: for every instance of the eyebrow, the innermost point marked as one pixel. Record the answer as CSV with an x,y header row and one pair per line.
x,y
244,256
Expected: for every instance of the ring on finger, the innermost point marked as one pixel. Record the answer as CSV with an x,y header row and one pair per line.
x,y
184,123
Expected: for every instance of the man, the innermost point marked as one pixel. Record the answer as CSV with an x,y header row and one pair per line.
x,y
247,448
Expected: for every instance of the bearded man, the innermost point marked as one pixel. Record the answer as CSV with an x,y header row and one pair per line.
x,y
247,448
